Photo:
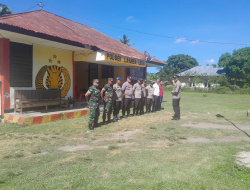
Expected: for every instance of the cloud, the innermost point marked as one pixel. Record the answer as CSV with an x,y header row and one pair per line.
x,y
195,41
131,19
209,61
180,40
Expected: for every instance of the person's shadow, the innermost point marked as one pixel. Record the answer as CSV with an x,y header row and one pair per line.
x,y
221,116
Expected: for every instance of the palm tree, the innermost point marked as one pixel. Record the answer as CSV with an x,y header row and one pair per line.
x,y
5,10
125,40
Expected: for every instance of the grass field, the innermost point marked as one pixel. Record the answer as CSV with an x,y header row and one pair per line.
x,y
146,152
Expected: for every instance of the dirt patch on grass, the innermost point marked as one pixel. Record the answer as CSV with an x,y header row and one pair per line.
x,y
221,140
213,126
90,147
159,143
243,159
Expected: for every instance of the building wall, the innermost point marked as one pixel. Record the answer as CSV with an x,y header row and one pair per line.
x,y
42,57
82,75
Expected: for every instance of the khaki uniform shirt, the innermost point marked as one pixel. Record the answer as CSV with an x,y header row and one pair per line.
x,y
150,92
137,90
127,89
176,92
118,92
143,89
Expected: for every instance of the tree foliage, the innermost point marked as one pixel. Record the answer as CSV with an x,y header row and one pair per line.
x,y
175,65
238,64
5,10
223,60
125,40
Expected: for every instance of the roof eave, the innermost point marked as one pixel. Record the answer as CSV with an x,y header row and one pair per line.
x,y
19,30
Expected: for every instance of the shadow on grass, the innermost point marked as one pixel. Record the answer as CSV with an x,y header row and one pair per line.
x,y
221,116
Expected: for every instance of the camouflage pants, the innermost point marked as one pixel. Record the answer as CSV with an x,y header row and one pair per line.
x,y
94,113
108,103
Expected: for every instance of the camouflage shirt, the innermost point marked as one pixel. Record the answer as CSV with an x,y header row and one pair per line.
x,y
94,94
108,90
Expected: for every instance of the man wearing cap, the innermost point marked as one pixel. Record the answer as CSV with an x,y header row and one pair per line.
x,y
93,103
127,89
176,96
156,96
108,100
150,96
117,99
137,94
143,96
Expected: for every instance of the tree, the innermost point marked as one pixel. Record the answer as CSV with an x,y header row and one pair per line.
x,y
176,64
224,59
5,10
125,40
238,66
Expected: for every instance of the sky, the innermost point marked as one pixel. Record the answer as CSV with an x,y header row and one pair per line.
x,y
161,27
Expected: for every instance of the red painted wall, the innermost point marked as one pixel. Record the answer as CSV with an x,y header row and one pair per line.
x,y
5,74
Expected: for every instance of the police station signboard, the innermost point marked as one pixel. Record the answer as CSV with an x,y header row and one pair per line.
x,y
124,60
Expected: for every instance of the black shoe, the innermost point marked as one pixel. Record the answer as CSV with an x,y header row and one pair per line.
x,y
146,113
104,122
118,118
124,116
97,125
91,127
110,121
174,118
139,115
130,115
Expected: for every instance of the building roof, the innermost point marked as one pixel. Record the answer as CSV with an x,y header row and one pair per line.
x,y
46,25
203,71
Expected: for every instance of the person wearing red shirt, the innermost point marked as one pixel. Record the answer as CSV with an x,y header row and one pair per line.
x,y
161,94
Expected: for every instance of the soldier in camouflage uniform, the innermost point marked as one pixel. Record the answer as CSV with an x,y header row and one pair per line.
x,y
108,100
93,103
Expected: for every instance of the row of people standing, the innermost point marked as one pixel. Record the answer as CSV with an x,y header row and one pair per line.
x,y
112,98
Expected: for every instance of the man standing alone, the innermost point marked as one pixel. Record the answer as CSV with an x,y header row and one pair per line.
x,y
127,89
176,95
156,96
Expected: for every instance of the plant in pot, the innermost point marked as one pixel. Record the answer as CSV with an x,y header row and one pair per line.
x,y
71,102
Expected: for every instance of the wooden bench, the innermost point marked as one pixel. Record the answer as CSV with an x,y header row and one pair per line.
x,y
32,97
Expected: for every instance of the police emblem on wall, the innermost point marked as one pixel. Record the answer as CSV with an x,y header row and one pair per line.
x,y
53,77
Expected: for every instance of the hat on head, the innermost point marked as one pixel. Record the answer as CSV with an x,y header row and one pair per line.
x,y
176,76
144,80
96,80
140,79
118,78
129,77
111,79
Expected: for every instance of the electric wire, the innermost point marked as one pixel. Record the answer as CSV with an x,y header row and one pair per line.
x,y
145,33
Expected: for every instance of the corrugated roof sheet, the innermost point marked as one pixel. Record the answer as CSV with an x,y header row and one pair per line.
x,y
49,24
203,71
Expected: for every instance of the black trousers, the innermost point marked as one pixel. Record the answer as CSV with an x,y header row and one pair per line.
x,y
161,98
126,106
156,106
137,106
149,104
117,107
176,107
143,102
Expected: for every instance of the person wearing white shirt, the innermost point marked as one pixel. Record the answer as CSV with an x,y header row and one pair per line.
x,y
156,87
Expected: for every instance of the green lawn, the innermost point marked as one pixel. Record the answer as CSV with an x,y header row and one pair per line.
x,y
147,152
